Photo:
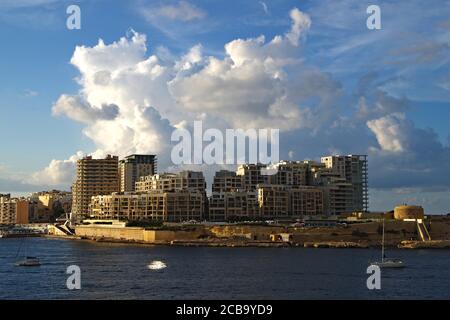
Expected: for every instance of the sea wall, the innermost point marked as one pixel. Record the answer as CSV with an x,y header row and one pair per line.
x,y
110,232
135,234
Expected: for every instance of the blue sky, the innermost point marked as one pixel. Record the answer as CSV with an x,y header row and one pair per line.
x,y
397,79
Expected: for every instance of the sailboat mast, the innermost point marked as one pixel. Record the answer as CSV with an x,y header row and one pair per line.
x,y
382,245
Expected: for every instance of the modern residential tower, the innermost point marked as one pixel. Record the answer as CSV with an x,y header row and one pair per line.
x,y
133,167
352,168
94,177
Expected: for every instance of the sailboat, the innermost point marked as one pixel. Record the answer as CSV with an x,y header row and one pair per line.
x,y
387,262
28,261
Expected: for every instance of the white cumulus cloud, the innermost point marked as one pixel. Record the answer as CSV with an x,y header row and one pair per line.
x,y
390,132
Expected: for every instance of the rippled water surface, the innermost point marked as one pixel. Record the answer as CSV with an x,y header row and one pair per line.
x,y
116,271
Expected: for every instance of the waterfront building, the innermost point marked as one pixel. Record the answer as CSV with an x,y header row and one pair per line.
x,y
173,206
338,193
252,175
15,210
172,181
133,167
237,204
93,177
227,181
273,201
306,201
290,173
8,207
352,168
45,206
267,202
283,201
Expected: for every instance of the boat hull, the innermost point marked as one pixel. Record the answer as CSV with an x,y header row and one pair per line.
x,y
387,265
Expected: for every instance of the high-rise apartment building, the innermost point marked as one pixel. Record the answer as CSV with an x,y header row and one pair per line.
x,y
352,168
337,192
133,167
93,177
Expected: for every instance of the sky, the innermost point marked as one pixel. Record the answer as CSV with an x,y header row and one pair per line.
x,y
137,70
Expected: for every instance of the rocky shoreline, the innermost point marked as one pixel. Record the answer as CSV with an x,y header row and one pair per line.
x,y
227,243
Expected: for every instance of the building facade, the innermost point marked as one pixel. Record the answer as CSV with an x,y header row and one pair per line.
x,y
290,173
174,206
8,207
252,175
133,167
227,181
15,210
172,181
354,169
238,204
93,177
46,206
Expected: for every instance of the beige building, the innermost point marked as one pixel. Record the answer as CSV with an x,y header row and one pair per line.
x,y
172,181
267,202
8,208
227,181
290,173
15,210
281,201
133,167
252,175
273,201
225,205
306,201
337,192
93,177
174,206
172,197
352,168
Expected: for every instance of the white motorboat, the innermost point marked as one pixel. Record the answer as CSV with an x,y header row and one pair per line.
x,y
29,262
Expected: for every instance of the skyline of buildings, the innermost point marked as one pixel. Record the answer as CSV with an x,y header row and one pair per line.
x,y
333,186
39,207
336,185
296,189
